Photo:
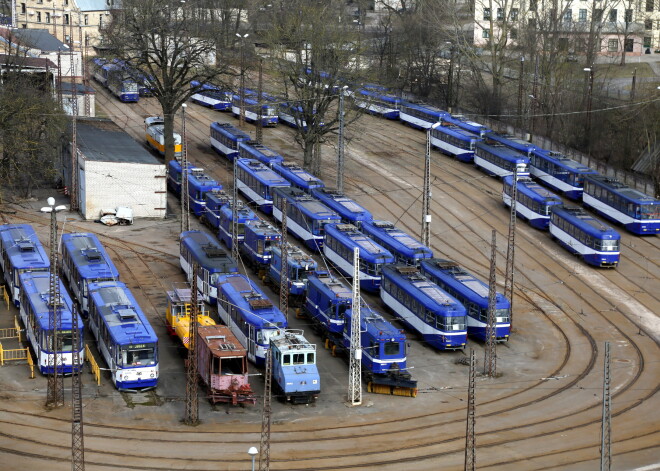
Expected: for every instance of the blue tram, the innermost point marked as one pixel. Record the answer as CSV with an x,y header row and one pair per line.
x,y
294,367
291,114
464,123
559,172
144,82
20,252
252,317
257,245
98,72
226,139
120,83
201,249
124,337
258,183
307,216
215,200
36,304
454,141
472,293
499,160
297,176
637,212
350,211
585,236
512,142
423,307
243,214
174,172
199,183
340,242
85,261
251,104
380,104
406,249
419,115
211,96
254,150
300,266
326,304
533,202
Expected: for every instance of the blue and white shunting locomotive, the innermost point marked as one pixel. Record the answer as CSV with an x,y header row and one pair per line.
x,y
294,367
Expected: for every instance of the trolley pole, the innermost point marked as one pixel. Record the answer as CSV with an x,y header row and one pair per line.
x,y
426,201
606,421
340,143
284,259
511,246
185,202
55,392
192,404
470,457
355,365
264,446
490,362
77,437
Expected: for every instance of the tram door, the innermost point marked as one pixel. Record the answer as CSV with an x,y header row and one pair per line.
x,y
252,348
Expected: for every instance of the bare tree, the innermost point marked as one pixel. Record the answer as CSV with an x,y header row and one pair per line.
x,y
169,41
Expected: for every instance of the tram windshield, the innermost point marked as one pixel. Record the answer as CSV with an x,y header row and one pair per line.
x,y
391,348
264,335
138,355
607,245
649,211
502,315
450,323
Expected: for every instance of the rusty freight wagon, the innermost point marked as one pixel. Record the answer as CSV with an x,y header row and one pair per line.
x,y
222,364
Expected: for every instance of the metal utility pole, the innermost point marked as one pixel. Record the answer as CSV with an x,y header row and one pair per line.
x,y
490,361
59,77
192,405
589,101
470,457
632,87
73,194
234,213
355,365
185,202
284,271
606,421
450,79
426,196
519,119
77,437
260,124
511,247
264,447
340,143
535,97
83,65
55,392
241,117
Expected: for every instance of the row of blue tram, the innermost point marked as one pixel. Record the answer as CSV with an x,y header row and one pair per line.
x,y
123,335
116,77
498,154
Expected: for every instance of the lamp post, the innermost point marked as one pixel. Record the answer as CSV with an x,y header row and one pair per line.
x,y
241,120
520,91
589,98
55,392
450,78
253,452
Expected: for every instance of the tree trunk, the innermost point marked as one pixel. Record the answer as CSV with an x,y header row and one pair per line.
x,y
168,131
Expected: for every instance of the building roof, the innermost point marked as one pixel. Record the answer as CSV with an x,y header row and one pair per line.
x,y
12,61
102,140
67,87
39,39
98,5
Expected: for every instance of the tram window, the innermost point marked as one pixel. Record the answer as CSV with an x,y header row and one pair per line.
x,y
310,359
298,358
287,359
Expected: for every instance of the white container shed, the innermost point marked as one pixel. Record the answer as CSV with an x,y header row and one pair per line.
x,y
115,171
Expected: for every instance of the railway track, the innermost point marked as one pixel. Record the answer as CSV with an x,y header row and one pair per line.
x,y
525,417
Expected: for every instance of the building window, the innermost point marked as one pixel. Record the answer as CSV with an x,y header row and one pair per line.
x,y
66,3
531,23
66,18
486,13
513,34
629,16
648,23
22,8
514,14
500,14
532,5
47,17
598,14
649,5
101,20
485,34
562,44
629,45
613,15
40,1
86,20
38,17
613,45
568,15
582,15
647,41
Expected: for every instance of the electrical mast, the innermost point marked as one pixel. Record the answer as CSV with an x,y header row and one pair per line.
x,y
490,362
284,259
426,201
73,195
470,458
77,437
55,393
340,144
192,405
264,447
185,202
606,421
260,124
234,213
355,365
511,247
